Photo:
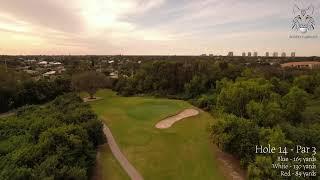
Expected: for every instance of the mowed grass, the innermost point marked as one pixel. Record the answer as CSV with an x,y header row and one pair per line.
x,y
110,168
181,152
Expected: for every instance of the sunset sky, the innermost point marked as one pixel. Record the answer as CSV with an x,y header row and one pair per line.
x,y
152,27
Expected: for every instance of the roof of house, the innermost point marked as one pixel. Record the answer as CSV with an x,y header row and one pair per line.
x,y
49,73
55,63
300,63
30,71
43,62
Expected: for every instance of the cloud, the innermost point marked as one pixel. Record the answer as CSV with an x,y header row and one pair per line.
x,y
54,14
146,26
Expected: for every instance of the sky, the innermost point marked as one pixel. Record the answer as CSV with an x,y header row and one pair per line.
x,y
154,27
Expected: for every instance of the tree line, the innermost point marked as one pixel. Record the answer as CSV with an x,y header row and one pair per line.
x,y
170,78
18,90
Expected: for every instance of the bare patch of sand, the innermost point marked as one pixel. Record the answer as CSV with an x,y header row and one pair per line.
x,y
7,114
168,122
230,166
88,99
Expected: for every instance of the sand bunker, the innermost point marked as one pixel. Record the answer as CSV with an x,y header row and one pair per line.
x,y
88,99
168,122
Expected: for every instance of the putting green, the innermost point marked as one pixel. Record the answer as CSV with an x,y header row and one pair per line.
x,y
180,152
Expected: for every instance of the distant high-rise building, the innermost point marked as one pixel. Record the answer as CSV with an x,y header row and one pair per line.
x,y
243,54
249,54
230,54
275,54
283,54
203,54
293,54
255,54
267,54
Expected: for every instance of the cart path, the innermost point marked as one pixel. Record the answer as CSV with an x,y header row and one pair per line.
x,y
126,165
168,122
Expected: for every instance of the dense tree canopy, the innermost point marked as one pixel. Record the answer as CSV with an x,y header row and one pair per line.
x,y
17,93
234,97
294,103
90,82
184,79
237,136
55,141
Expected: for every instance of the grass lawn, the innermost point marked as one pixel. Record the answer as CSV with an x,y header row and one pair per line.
x,y
110,167
180,152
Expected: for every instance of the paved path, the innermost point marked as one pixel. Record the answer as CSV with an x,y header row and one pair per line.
x,y
126,165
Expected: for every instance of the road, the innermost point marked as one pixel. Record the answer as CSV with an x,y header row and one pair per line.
x,y
126,165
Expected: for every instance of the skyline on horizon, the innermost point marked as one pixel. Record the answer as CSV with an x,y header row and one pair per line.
x,y
154,27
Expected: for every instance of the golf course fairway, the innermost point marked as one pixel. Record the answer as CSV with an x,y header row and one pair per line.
x,y
181,152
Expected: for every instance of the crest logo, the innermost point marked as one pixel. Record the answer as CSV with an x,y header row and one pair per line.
x,y
303,20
